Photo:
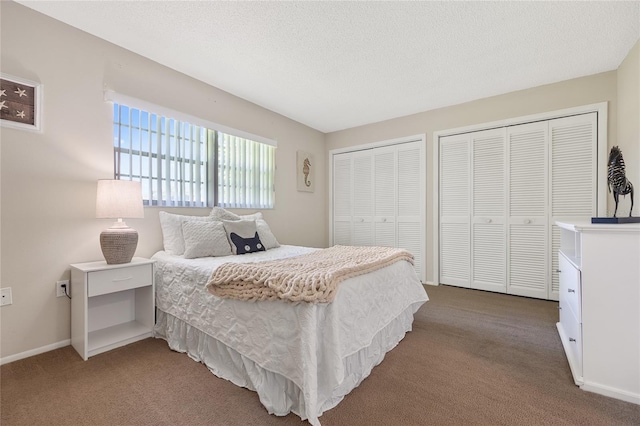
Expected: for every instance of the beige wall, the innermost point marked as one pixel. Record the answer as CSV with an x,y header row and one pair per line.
x,y
49,179
571,93
629,127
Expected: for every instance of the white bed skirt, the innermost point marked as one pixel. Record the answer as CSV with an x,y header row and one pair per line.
x,y
278,394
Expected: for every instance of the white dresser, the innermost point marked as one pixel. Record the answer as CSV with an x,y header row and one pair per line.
x,y
599,270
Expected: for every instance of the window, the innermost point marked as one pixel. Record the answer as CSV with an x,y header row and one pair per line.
x,y
181,164
245,172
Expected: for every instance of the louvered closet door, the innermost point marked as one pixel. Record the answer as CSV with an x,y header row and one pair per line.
x,y
362,198
384,196
410,231
573,177
488,229
342,174
528,221
454,210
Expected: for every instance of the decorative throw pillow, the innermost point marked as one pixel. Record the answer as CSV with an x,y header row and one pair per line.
x,y
265,234
243,236
171,225
204,239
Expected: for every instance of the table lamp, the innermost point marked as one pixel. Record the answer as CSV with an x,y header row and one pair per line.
x,y
118,199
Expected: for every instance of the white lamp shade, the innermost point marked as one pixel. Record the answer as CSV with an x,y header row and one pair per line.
x,y
119,199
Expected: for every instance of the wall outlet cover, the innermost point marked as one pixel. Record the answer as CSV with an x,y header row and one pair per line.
x,y
60,290
5,296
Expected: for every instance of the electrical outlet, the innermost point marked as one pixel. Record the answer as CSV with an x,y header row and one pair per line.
x,y
5,296
60,287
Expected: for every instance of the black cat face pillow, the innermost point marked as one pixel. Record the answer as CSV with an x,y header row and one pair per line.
x,y
243,236
246,245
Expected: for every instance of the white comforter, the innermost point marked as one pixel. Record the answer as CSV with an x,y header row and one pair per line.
x,y
305,343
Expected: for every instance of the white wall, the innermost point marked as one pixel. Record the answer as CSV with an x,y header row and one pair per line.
x,y
581,91
48,179
629,127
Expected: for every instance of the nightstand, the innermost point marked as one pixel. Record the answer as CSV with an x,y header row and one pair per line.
x,y
111,305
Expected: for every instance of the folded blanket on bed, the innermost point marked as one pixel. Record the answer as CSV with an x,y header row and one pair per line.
x,y
312,277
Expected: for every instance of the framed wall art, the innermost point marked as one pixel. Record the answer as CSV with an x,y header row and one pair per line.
x,y
305,171
20,103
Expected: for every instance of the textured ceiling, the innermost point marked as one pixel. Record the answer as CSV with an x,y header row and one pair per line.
x,y
336,65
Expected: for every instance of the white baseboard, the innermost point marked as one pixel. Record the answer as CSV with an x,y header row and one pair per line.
x,y
430,283
609,391
36,351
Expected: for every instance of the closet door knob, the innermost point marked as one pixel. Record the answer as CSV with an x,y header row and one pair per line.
x,y
571,339
570,290
361,220
558,270
488,221
384,219
527,221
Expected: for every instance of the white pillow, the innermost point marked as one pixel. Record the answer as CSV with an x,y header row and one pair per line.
x,y
264,232
204,239
171,225
218,213
266,236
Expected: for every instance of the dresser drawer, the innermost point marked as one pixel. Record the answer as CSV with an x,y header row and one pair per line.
x,y
570,285
119,279
573,337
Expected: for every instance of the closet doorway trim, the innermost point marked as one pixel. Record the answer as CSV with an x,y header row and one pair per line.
x,y
422,138
600,108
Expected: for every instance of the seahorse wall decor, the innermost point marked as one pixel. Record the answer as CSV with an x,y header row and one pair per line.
x,y
306,168
616,178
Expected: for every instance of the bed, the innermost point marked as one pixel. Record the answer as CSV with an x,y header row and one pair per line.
x,y
299,357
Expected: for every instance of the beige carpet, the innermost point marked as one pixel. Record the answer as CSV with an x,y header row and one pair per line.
x,y
473,358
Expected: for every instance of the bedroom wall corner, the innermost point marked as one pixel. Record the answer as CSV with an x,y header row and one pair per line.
x,y
550,97
48,179
629,127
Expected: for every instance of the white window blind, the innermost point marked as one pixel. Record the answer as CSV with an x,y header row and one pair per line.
x,y
181,164
245,172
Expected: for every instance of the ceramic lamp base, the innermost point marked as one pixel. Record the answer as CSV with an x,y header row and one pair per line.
x,y
118,244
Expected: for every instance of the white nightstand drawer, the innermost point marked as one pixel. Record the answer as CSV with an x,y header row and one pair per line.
x,y
570,285
119,279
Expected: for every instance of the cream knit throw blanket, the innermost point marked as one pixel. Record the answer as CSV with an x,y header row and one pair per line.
x,y
312,277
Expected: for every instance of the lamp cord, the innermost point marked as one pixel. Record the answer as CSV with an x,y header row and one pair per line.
x,y
65,291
